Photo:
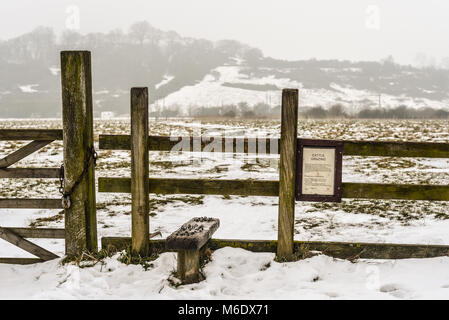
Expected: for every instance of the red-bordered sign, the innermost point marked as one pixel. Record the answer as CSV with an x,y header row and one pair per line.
x,y
318,172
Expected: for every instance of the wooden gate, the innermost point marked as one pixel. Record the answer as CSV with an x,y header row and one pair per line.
x,y
77,175
16,236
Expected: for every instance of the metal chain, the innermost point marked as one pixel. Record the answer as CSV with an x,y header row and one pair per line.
x,y
67,195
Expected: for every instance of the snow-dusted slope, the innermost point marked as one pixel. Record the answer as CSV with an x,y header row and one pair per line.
x,y
220,87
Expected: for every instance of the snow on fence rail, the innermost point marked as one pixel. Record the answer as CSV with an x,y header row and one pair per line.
x,y
80,231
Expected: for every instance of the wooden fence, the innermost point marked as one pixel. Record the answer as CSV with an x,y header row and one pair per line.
x,y
79,178
272,188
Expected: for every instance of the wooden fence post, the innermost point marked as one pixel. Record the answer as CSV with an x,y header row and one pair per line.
x,y
140,187
287,172
77,118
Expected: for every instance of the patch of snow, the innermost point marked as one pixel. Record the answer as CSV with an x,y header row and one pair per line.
x,y
101,92
29,88
55,70
105,115
167,78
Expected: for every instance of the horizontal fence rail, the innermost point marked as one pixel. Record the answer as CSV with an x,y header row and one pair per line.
x,y
195,186
41,173
39,233
341,250
30,134
270,188
271,145
22,261
30,203
193,144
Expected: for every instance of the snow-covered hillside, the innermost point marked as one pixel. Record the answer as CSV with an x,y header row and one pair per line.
x,y
221,87
190,73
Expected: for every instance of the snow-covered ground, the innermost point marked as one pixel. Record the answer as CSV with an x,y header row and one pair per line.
x,y
232,274
236,273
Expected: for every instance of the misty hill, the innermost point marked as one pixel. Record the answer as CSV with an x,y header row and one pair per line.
x,y
190,73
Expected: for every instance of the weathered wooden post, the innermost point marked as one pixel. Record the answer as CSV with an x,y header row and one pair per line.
x,y
287,173
79,173
140,187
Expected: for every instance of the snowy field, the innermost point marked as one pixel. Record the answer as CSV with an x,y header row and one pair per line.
x,y
236,273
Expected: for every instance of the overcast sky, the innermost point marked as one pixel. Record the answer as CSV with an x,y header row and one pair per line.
x,y
286,29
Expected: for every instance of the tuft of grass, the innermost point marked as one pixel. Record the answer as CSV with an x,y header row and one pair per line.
x,y
40,222
87,258
127,257
302,252
265,266
173,281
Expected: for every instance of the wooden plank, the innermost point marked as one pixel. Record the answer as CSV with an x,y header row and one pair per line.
x,y
77,120
115,244
269,188
395,191
194,144
36,173
26,245
287,173
18,203
194,186
193,234
30,134
22,261
140,205
23,152
351,148
39,233
396,149
342,250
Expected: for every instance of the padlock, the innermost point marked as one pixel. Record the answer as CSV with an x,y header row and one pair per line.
x,y
66,203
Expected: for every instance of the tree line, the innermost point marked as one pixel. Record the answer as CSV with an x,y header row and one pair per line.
x,y
243,110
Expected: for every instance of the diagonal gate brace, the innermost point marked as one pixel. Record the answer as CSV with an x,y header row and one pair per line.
x,y
23,152
26,245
